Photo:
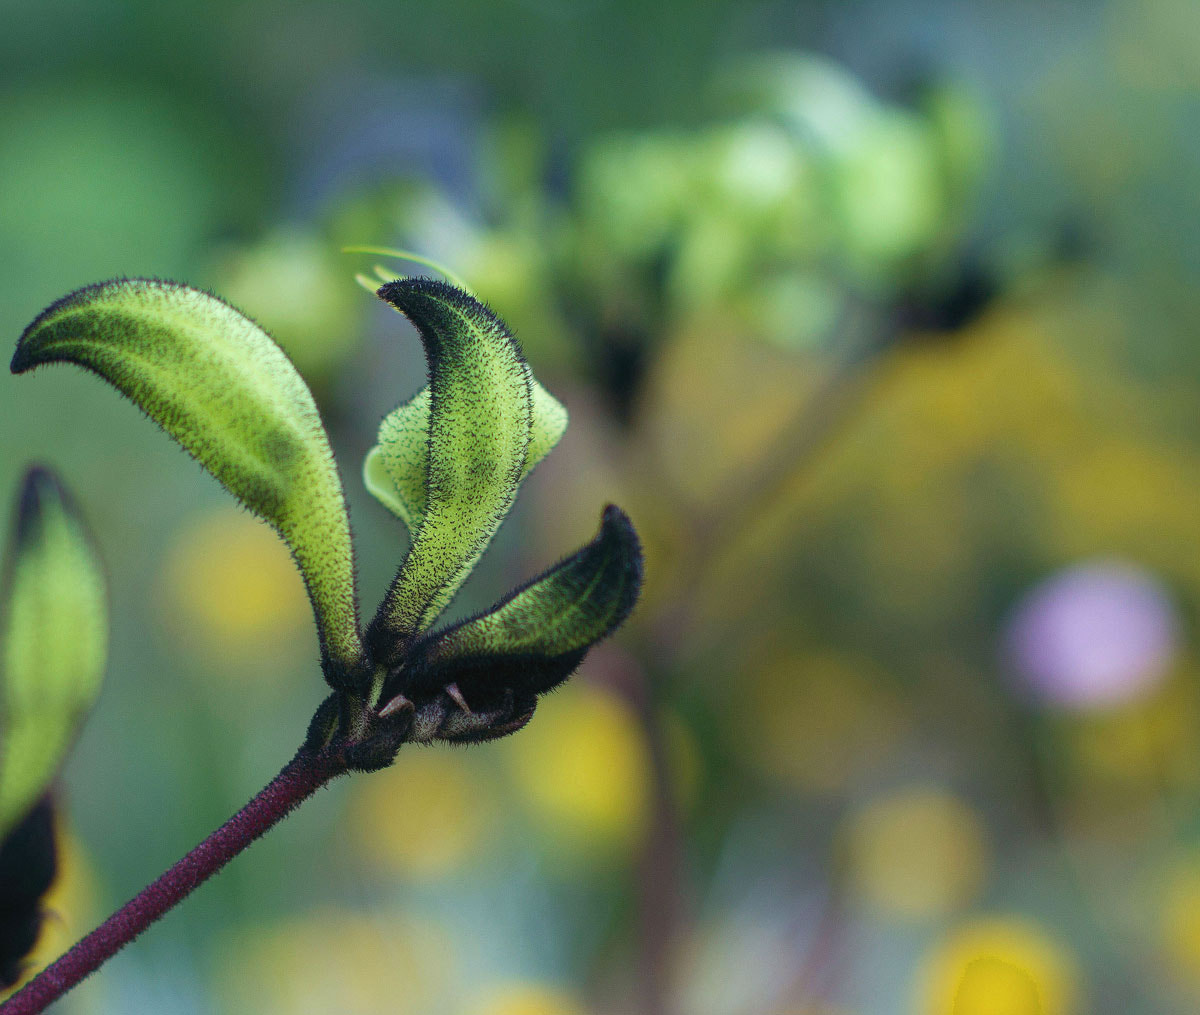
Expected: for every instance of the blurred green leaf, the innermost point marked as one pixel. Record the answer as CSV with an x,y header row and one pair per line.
x,y
535,637
814,97
53,642
318,332
218,384
480,408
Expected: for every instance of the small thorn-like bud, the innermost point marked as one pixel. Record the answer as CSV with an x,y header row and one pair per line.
x,y
457,696
427,721
395,705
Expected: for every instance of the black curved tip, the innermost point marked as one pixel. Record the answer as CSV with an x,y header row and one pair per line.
x,y
40,487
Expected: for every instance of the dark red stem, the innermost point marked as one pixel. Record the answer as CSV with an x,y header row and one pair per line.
x,y
298,780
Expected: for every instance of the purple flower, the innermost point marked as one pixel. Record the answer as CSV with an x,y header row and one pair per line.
x,y
1096,634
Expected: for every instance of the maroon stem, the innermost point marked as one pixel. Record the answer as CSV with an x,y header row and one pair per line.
x,y
660,876
298,780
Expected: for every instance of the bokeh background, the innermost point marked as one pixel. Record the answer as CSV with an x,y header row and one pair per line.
x,y
878,317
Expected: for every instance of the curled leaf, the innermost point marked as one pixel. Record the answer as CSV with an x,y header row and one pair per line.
x,y
534,638
396,470
53,642
479,410
219,385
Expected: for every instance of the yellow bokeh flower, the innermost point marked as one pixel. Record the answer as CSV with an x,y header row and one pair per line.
x,y
424,816
582,767
1180,919
917,854
997,966
526,999
232,591
335,961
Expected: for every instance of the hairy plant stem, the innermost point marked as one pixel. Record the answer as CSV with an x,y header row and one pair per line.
x,y
307,772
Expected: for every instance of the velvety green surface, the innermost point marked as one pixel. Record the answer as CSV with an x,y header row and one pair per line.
x,y
563,611
480,424
536,636
396,469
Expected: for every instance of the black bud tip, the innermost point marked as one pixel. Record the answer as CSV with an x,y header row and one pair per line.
x,y
427,302
28,865
39,487
401,291
322,725
616,528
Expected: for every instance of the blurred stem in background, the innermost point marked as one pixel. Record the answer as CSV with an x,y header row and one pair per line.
x,y
671,634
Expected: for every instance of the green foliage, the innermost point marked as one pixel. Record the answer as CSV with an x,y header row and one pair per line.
x,y
450,461
219,385
798,200
53,641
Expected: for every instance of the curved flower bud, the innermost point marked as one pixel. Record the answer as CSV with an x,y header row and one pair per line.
x,y
218,384
455,456
480,679
53,642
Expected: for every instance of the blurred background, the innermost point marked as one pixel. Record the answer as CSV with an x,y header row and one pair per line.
x,y
879,319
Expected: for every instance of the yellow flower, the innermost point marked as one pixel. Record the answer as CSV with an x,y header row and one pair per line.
x,y
583,768
526,999
918,853
1180,915
232,591
424,816
997,966
335,961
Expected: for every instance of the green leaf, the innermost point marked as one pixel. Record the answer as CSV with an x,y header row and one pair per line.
x,y
479,410
534,638
219,385
396,469
549,424
53,642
